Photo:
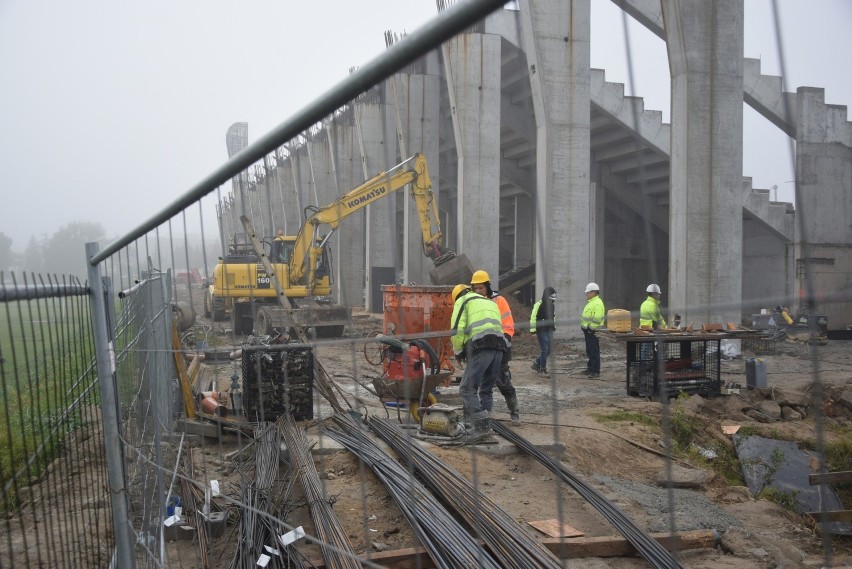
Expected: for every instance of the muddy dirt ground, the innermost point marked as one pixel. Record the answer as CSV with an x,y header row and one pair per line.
x,y
610,440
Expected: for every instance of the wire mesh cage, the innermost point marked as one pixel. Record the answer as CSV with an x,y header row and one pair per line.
x,y
278,382
673,365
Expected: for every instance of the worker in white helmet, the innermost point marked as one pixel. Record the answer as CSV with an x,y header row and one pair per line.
x,y
592,318
650,316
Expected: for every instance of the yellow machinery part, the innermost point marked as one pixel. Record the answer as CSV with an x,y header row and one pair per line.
x,y
414,405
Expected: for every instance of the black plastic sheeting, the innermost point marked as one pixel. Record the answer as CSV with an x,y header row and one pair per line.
x,y
784,466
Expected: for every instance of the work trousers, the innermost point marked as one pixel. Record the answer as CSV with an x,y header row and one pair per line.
x,y
504,378
480,376
544,338
593,350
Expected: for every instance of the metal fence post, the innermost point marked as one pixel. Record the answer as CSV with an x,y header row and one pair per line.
x,y
112,442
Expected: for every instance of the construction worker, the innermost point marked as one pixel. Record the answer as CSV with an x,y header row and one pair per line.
x,y
542,324
650,318
649,313
478,340
481,284
592,319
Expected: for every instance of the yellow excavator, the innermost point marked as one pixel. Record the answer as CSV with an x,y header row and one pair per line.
x,y
242,288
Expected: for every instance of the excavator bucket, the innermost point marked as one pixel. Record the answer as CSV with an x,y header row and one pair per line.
x,y
452,270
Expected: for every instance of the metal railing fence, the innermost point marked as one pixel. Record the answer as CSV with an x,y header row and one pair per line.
x,y
55,501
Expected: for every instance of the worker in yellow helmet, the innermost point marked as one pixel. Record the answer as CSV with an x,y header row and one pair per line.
x,y
481,284
478,340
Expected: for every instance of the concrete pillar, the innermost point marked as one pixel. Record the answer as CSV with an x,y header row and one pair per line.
x,y
705,47
824,207
472,64
557,34
350,248
765,266
292,200
277,188
524,219
378,151
418,97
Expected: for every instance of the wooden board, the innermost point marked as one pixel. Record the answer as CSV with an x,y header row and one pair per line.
x,y
830,477
612,546
552,528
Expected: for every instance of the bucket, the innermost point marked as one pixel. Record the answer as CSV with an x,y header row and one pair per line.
x,y
755,373
174,502
213,407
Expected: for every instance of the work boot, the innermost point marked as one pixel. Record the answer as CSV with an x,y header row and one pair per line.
x,y
534,366
514,412
481,424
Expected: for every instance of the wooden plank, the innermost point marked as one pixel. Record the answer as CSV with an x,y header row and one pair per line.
x,y
572,548
830,477
831,516
183,379
617,546
552,528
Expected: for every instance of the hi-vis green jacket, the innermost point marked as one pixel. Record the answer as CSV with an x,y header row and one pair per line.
x,y
593,313
476,322
650,315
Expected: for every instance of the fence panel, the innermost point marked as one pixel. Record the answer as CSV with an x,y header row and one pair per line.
x,y
55,503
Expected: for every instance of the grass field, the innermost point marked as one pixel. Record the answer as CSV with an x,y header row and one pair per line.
x,y
46,375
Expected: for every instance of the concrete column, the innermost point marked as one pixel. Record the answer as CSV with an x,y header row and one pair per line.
x,y
472,63
824,207
418,97
277,191
292,204
557,34
378,151
350,247
765,265
524,219
705,47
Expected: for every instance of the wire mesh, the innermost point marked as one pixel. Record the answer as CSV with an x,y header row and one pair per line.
x,y
206,357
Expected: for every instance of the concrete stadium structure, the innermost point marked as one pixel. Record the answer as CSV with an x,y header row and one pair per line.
x,y
539,162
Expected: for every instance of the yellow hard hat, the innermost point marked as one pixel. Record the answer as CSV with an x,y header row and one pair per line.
x,y
480,277
459,288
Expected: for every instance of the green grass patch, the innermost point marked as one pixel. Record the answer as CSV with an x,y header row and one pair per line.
x,y
689,439
47,353
786,500
622,416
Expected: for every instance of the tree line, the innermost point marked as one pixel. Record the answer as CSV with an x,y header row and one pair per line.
x,y
64,253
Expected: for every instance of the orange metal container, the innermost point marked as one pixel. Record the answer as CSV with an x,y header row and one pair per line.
x,y
411,310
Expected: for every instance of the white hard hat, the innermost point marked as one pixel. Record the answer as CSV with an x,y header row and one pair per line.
x,y
653,288
592,287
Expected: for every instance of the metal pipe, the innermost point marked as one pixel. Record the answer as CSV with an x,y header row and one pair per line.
x,y
112,441
34,291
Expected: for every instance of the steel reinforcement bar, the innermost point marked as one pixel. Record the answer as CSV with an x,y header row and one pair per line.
x,y
509,542
449,544
647,546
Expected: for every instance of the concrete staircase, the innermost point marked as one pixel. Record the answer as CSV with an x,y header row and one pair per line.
x,y
777,216
765,94
648,125
630,112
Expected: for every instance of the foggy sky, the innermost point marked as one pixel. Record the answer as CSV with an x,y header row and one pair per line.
x,y
111,110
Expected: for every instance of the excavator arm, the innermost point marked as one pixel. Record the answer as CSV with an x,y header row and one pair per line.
x,y
412,171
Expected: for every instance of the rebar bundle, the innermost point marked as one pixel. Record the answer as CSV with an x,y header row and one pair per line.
x,y
510,543
260,510
448,543
647,546
336,548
